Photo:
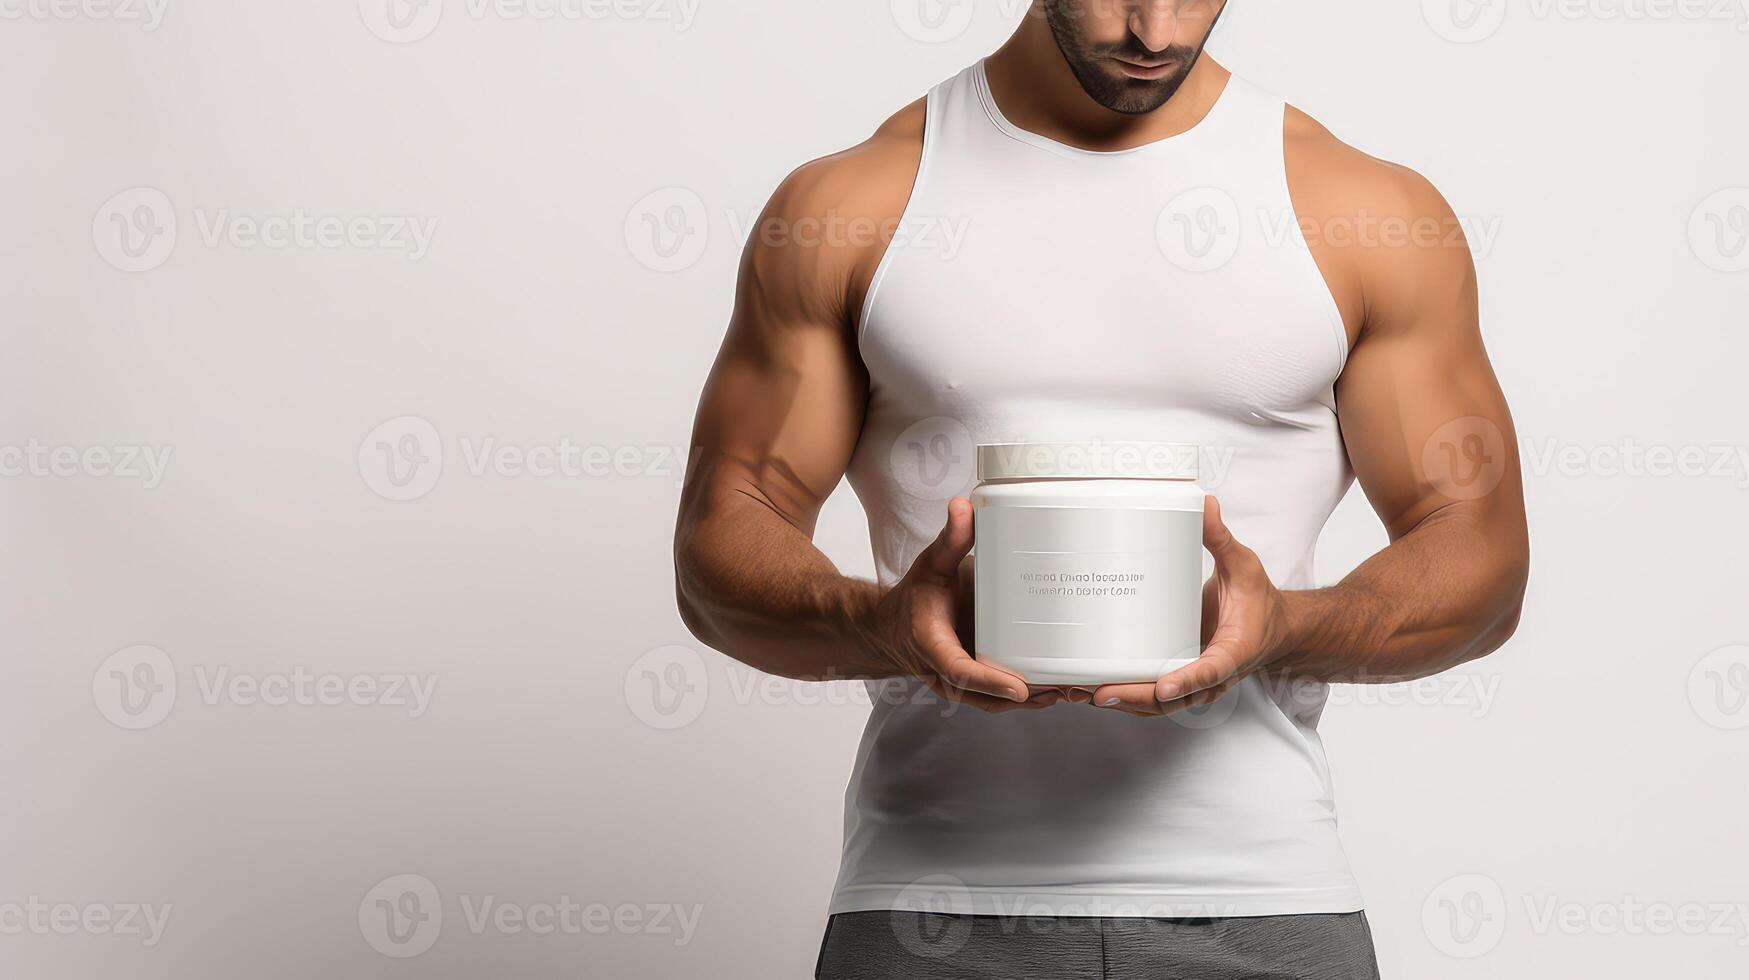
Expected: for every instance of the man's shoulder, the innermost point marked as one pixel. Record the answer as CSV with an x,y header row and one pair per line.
x,y
869,181
826,226
1382,234
1385,237
1338,181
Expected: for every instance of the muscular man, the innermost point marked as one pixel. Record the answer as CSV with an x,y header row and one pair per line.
x,y
1147,248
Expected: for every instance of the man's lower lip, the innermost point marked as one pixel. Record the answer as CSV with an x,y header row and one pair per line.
x,y
1150,74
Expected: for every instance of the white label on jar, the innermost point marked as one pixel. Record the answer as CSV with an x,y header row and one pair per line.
x,y
1088,583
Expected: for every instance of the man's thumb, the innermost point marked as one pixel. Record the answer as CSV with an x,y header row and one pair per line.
x,y
943,556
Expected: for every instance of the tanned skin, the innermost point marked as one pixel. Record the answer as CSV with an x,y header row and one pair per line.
x,y
784,404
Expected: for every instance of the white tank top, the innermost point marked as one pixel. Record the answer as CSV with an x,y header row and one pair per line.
x,y
1044,293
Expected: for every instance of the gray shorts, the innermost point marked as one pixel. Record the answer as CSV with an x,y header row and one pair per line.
x,y
929,946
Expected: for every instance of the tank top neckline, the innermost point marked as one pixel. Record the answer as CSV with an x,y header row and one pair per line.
x,y
986,98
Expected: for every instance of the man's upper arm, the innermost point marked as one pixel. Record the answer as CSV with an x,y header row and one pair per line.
x,y
784,403
1425,423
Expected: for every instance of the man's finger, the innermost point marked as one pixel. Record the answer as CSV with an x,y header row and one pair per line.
x,y
1134,698
1215,535
942,650
983,702
941,559
1217,665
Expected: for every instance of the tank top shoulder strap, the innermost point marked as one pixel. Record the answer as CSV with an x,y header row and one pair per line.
x,y
954,110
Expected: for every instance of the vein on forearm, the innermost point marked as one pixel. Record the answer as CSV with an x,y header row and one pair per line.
x,y
1443,594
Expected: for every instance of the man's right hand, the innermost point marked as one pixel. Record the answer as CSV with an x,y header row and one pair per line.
x,y
914,627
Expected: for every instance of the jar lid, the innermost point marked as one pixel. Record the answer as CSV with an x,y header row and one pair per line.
x,y
1088,461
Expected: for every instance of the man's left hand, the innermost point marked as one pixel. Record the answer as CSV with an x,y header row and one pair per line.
x,y
1244,626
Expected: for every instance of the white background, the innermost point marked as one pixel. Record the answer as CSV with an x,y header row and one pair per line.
x,y
1591,770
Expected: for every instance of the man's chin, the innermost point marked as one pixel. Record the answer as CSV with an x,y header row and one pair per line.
x,y
1135,96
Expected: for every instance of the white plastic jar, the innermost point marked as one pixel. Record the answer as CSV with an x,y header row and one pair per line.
x,y
1088,560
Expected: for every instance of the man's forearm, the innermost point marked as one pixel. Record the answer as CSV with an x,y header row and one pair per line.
x,y
753,586
1446,593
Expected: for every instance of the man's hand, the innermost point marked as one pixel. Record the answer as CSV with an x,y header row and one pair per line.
x,y
1244,629
914,627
